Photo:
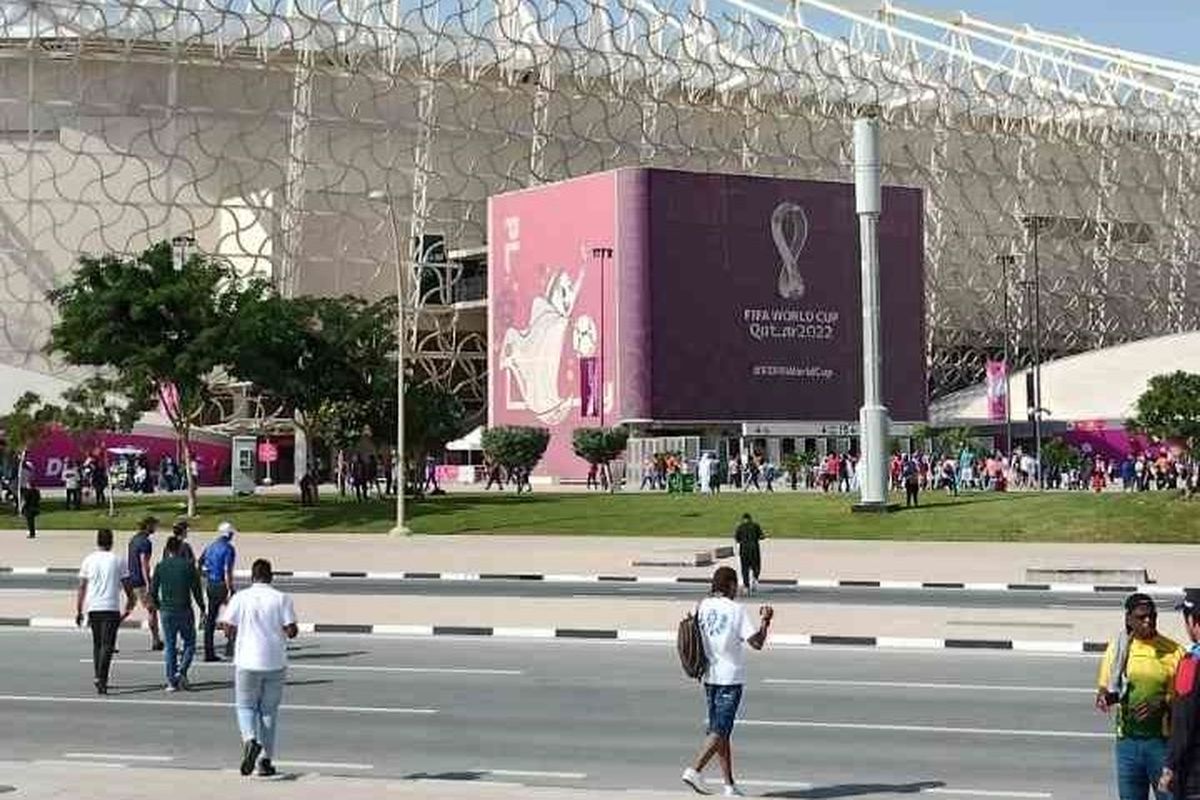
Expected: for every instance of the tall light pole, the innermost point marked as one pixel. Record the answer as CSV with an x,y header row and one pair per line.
x,y
873,417
398,253
1034,223
1006,261
602,254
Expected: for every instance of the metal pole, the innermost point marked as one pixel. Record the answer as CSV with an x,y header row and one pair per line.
x,y
873,416
1037,356
398,463
1005,260
602,253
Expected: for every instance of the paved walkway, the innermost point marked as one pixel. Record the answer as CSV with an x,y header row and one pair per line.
x,y
662,615
857,560
70,781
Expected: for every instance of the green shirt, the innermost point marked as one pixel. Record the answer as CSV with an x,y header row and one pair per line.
x,y
174,579
1149,672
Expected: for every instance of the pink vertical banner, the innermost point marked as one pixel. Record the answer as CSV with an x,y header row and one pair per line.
x,y
168,400
589,386
997,390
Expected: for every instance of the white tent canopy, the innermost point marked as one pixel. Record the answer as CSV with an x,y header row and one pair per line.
x,y
472,441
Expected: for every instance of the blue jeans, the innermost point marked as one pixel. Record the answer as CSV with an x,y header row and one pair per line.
x,y
723,702
257,694
179,624
1139,765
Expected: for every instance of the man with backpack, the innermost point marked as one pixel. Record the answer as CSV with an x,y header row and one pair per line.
x,y
724,629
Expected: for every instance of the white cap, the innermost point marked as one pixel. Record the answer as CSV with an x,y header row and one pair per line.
x,y
226,529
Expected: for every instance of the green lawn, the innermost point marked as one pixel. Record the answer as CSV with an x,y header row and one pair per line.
x,y
1055,517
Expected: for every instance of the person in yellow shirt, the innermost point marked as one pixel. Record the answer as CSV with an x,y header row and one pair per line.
x,y
1136,681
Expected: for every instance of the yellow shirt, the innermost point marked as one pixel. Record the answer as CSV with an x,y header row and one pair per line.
x,y
1150,674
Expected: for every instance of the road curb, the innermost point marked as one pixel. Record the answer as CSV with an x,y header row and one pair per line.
x,y
803,583
622,635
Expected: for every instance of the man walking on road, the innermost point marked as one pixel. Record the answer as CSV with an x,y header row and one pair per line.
x,y
102,578
726,629
748,535
141,549
1180,775
263,619
1136,678
216,561
175,583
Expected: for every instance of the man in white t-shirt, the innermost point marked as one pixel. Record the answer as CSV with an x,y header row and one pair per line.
x,y
102,578
260,619
727,629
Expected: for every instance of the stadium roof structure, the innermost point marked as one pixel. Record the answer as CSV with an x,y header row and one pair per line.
x,y
865,54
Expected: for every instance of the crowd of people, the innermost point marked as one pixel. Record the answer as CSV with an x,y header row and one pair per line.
x,y
257,620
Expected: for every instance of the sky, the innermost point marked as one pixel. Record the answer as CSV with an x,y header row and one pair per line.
x,y
1168,28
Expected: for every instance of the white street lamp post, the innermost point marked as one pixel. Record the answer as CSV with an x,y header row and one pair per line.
x,y
873,416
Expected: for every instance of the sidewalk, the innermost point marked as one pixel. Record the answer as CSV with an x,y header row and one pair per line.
x,y
532,614
46,780
591,555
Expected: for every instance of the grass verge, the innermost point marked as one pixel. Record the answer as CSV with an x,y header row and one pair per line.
x,y
1050,517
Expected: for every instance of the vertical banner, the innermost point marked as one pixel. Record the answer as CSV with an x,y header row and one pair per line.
x,y
997,390
589,386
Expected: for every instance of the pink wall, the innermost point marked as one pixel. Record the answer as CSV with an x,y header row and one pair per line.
x,y
545,310
47,457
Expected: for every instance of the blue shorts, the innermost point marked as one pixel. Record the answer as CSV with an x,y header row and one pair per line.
x,y
723,702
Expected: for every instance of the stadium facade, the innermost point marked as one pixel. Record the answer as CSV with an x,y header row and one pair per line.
x,y
352,147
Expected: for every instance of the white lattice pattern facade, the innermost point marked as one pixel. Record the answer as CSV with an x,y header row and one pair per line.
x,y
316,142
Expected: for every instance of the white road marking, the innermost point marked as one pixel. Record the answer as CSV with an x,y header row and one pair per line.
x,y
119,757
112,700
343,668
323,765
60,762
532,773
524,633
945,790
862,726
971,687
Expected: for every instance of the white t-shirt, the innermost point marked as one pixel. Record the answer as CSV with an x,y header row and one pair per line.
x,y
103,570
260,614
726,627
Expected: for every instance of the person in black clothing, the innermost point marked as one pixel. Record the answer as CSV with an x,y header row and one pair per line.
x,y
99,481
1180,776
748,535
30,508
912,484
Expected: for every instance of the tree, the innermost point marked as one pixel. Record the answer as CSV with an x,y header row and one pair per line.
x,y
1170,408
600,446
1058,455
515,448
432,417
28,423
328,359
157,332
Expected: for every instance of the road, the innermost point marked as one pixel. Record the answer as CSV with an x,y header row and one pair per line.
x,y
939,598
815,724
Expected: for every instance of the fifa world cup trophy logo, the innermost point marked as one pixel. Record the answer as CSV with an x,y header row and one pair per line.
x,y
789,230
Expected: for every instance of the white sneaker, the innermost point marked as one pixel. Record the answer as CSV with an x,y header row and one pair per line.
x,y
696,781
170,688
731,790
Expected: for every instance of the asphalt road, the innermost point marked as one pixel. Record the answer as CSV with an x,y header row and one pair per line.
x,y
940,598
815,723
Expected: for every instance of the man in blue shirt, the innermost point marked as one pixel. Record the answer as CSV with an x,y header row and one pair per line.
x,y
141,550
217,562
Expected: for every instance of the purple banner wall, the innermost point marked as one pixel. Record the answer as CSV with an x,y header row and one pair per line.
x,y
726,298
756,309
48,456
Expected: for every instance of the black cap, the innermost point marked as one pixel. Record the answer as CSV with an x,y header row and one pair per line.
x,y
1190,603
1139,599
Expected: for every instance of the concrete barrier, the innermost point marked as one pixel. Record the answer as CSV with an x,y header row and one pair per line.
x,y
1121,576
